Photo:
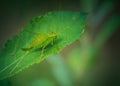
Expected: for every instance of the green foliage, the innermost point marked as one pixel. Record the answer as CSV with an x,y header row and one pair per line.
x,y
67,25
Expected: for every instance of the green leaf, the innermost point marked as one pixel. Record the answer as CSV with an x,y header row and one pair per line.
x,y
69,26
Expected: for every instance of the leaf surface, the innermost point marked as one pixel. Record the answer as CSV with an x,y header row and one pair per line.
x,y
68,25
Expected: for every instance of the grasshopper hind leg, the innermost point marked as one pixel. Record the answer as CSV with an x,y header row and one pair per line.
x,y
42,51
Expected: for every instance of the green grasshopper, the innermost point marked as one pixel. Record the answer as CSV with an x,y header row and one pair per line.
x,y
40,41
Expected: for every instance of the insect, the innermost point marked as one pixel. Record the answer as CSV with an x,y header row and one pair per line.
x,y
40,41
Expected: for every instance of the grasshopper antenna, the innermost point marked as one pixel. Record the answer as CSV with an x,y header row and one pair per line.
x,y
19,62
8,66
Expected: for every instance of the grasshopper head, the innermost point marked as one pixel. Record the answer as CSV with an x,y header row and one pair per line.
x,y
53,35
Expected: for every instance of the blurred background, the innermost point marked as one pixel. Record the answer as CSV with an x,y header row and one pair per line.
x,y
94,60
